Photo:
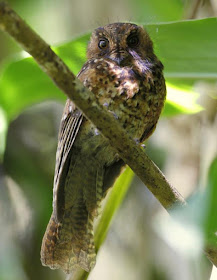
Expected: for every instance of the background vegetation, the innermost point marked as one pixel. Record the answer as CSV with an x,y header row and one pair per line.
x,y
143,242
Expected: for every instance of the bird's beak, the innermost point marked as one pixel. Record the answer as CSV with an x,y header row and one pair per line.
x,y
119,57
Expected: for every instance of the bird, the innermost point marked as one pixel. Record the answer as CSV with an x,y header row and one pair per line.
x,y
127,78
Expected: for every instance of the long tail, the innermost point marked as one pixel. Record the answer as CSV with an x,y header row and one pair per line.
x,y
70,244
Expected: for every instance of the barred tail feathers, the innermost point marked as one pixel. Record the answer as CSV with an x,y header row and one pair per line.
x,y
70,244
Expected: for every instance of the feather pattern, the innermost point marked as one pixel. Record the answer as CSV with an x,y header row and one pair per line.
x,y
69,128
127,78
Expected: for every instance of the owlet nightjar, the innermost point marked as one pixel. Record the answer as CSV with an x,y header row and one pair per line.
x,y
126,77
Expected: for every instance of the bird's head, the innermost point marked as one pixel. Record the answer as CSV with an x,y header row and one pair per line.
x,y
123,43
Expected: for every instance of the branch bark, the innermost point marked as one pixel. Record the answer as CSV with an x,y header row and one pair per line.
x,y
85,100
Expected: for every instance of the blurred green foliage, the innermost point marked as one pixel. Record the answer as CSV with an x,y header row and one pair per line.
x,y
158,11
176,44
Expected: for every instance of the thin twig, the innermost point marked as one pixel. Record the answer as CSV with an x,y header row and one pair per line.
x,y
85,100
194,9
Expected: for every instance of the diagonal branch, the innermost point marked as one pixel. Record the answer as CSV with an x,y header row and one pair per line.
x,y
85,100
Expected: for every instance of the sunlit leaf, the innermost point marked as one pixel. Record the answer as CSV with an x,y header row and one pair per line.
x,y
181,100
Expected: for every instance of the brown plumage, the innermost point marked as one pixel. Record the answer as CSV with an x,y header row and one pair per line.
x,y
126,77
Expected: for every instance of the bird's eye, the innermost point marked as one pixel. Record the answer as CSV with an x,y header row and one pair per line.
x,y
132,40
103,43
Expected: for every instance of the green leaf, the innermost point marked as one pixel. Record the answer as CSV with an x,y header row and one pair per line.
x,y
187,49
156,11
23,83
211,201
179,45
180,100
113,202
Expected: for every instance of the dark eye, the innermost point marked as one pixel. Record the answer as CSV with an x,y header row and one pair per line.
x,y
132,41
103,43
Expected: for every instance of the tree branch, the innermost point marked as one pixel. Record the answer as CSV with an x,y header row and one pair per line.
x,y
85,100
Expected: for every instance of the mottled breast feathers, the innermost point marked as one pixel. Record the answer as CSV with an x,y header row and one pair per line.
x,y
127,78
